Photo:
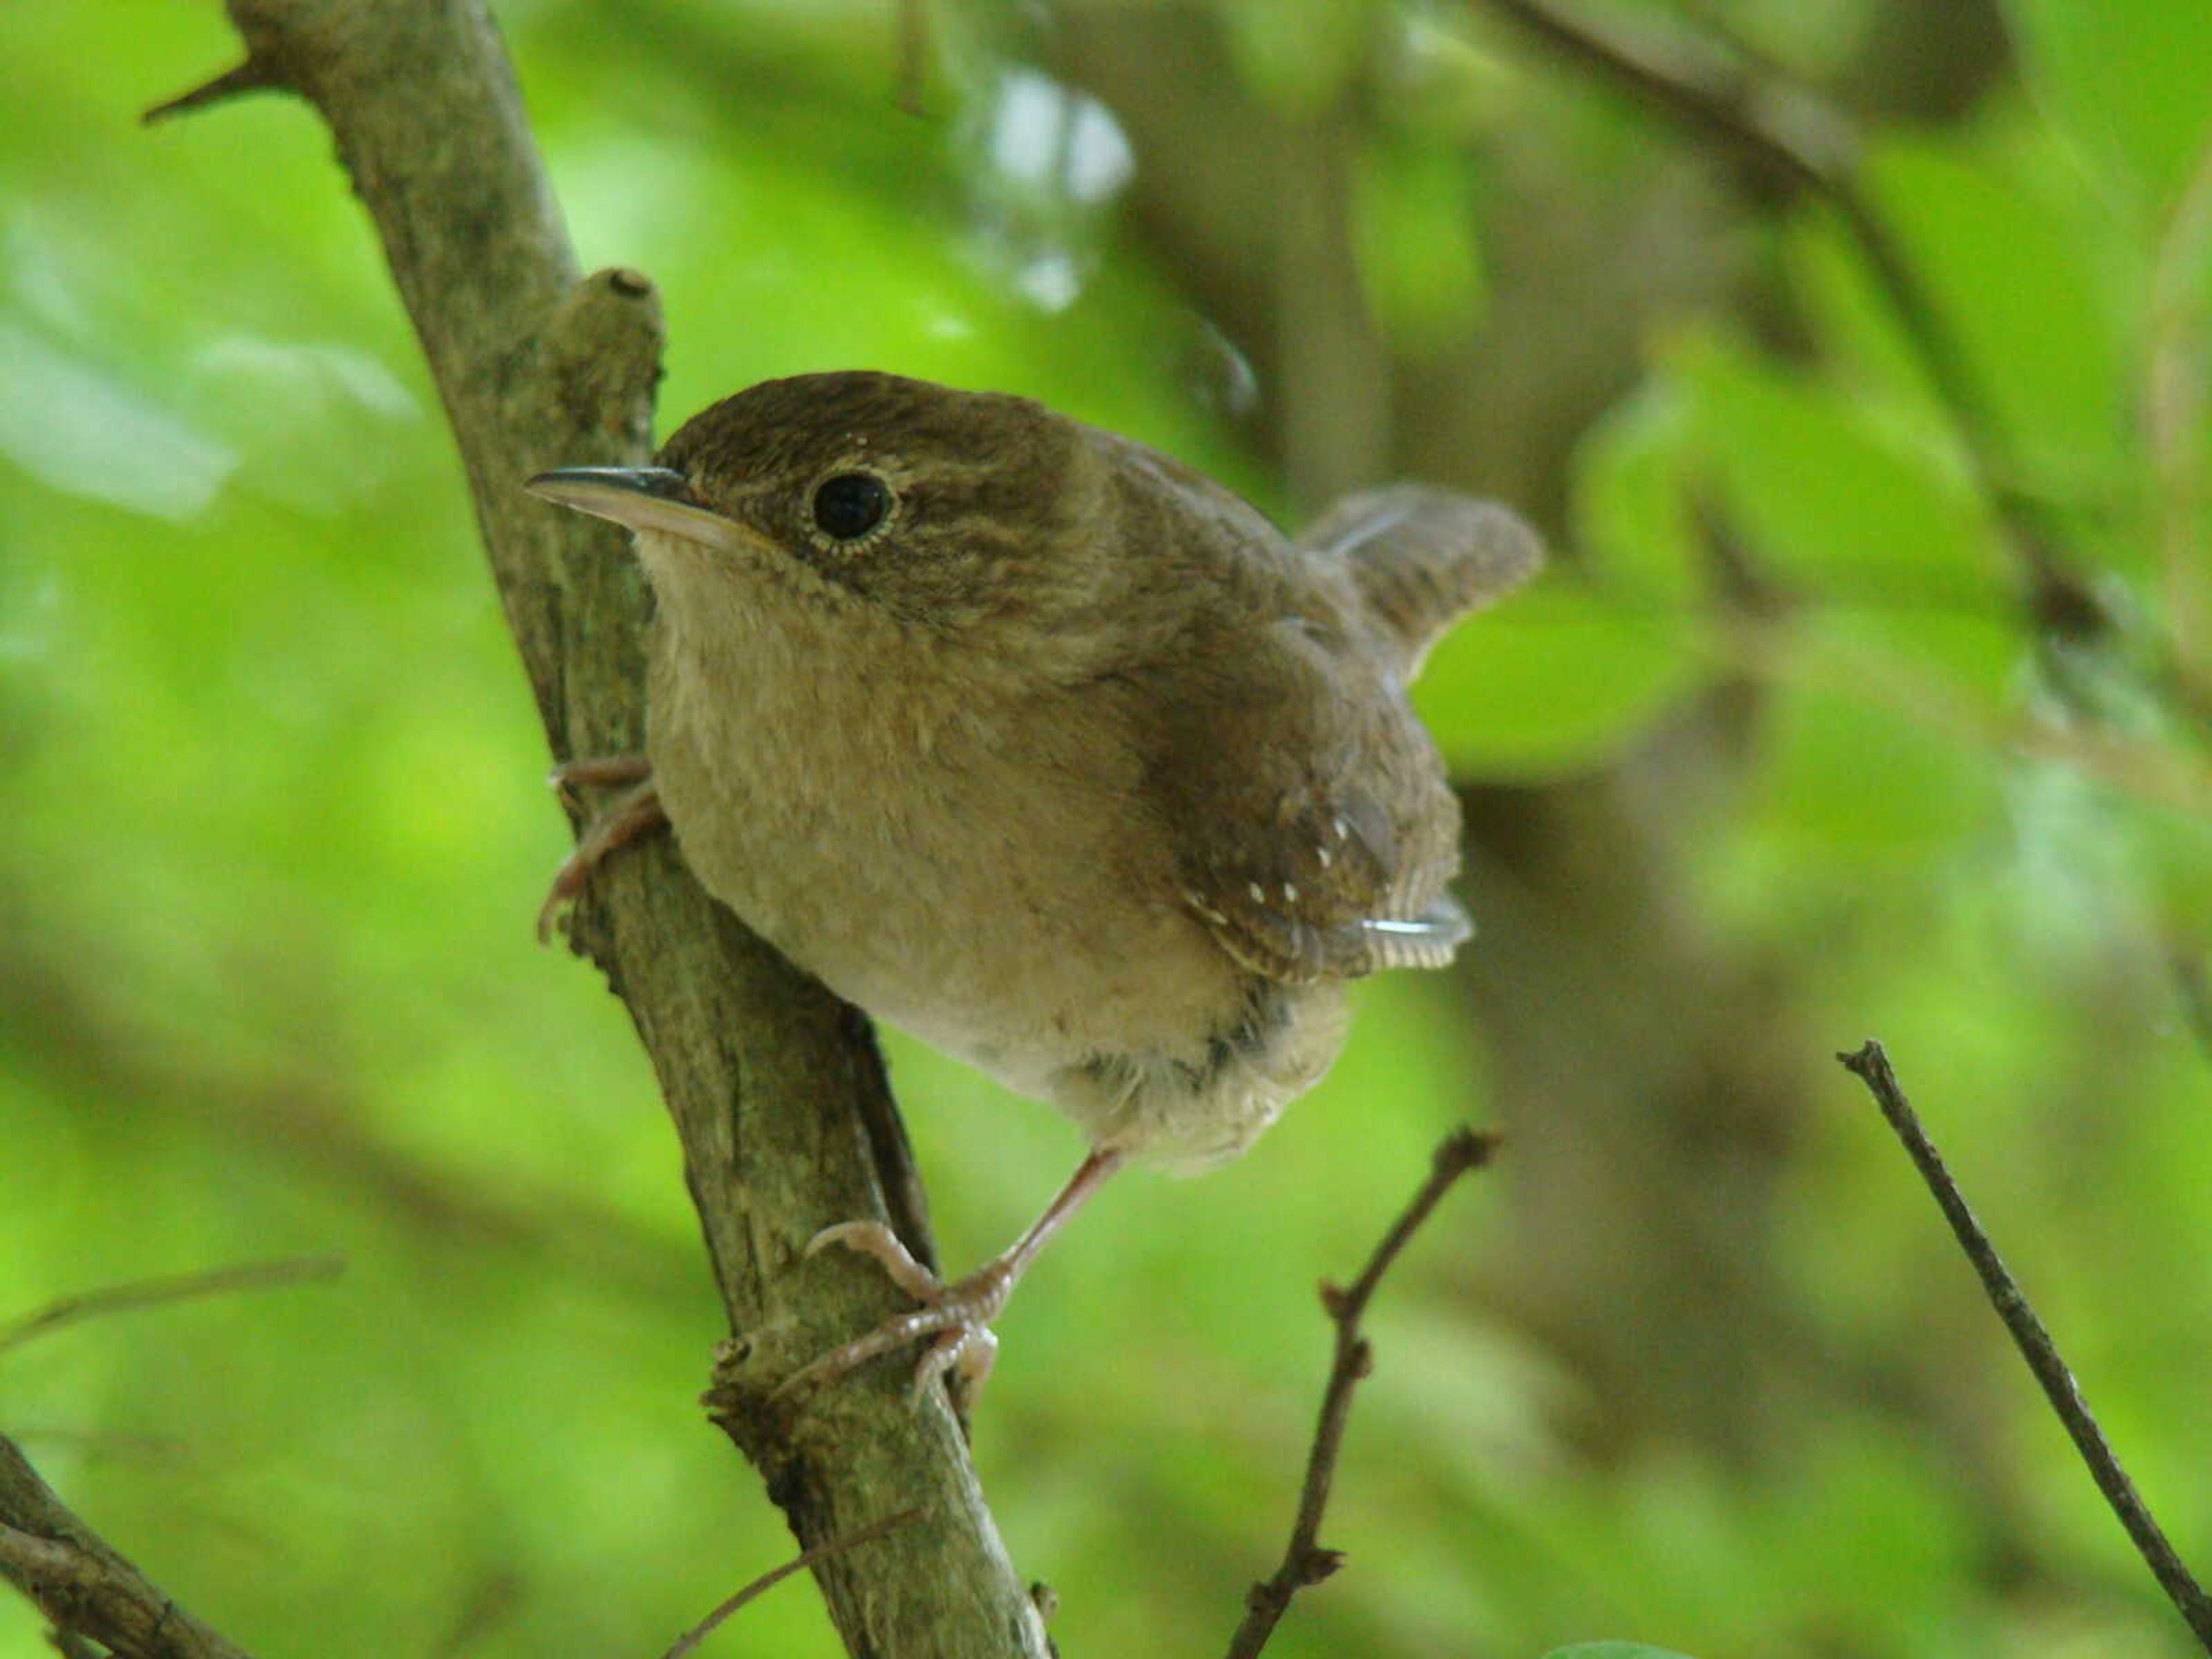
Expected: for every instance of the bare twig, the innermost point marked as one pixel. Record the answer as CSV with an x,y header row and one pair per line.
x,y
83,1586
1814,147
767,1581
1304,1562
1871,1066
180,1287
255,73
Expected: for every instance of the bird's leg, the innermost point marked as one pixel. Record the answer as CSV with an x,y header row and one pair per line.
x,y
635,812
956,1317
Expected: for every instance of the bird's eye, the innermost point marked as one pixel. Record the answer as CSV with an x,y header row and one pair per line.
x,y
850,505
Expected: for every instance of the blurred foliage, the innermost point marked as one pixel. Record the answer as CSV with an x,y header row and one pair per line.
x,y
274,834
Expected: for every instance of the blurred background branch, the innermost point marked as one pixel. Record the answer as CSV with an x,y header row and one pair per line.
x,y
153,1292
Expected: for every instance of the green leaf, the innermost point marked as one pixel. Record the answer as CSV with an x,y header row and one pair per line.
x,y
1847,785
1831,499
2129,79
1612,1650
1853,324
1413,237
1633,517
1560,680
1876,762
2013,279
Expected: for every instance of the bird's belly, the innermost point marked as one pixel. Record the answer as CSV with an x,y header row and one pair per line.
x,y
1024,989
999,929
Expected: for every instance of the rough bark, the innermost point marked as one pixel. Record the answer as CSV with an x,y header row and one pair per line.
x,y
81,1584
775,1088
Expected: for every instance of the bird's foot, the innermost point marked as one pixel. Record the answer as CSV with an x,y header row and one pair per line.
x,y
954,1318
635,812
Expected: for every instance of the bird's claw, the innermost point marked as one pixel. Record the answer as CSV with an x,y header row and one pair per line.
x,y
956,1317
968,1351
636,812
872,1238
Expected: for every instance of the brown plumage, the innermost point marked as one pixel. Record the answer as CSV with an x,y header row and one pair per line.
x,y
1027,739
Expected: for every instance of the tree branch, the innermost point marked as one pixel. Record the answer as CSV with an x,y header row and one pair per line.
x,y
82,1585
252,75
1871,1067
1304,1562
775,1088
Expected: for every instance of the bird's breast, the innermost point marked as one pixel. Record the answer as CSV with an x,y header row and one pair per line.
x,y
975,872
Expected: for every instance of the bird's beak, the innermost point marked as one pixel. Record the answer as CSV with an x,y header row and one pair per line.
x,y
640,498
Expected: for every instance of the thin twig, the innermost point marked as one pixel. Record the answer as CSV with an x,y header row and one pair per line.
x,y
1304,1562
255,73
180,1287
1818,151
1871,1066
875,1529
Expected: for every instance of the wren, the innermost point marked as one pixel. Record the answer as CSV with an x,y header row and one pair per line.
x,y
1049,750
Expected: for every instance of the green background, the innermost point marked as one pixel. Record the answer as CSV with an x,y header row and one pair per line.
x,y
1774,759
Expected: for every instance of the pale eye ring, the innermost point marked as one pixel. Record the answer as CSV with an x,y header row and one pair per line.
x,y
849,506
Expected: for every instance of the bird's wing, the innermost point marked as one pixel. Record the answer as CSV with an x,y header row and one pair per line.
x,y
1421,558
1313,829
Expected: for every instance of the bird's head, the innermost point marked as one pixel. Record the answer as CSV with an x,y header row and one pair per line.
x,y
949,511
